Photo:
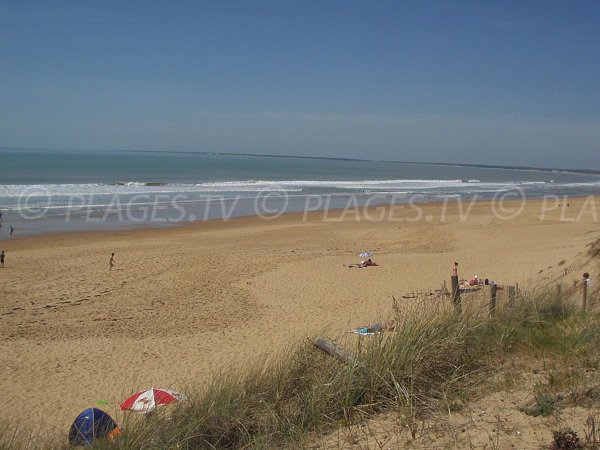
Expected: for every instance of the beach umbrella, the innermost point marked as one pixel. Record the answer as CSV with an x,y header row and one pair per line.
x,y
366,254
146,401
92,424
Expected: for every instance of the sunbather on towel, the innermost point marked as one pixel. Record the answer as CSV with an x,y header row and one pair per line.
x,y
372,329
363,264
376,328
367,263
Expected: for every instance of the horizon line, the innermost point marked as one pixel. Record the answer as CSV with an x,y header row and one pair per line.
x,y
329,158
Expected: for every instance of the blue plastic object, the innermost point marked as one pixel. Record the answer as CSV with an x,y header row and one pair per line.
x,y
91,424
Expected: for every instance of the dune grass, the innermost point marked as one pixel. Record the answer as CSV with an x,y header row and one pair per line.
x,y
433,361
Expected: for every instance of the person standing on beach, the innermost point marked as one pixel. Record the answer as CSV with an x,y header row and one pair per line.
x,y
586,279
11,231
455,269
111,262
2,259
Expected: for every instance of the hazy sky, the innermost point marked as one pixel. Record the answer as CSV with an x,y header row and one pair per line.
x,y
486,82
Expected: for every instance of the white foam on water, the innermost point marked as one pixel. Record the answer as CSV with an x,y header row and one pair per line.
x,y
102,195
134,187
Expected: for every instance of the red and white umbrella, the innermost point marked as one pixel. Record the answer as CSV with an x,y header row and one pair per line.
x,y
146,401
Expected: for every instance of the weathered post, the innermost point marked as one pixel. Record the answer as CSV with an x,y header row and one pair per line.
x,y
584,285
559,290
333,350
455,291
493,289
512,295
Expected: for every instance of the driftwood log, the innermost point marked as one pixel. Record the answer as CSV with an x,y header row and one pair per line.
x,y
333,350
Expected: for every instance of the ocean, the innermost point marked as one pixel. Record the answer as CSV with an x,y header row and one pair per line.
x,y
46,191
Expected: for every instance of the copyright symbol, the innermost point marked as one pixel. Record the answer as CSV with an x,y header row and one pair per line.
x,y
271,202
508,204
33,202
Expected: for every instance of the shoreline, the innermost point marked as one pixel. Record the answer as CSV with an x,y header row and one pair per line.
x,y
327,213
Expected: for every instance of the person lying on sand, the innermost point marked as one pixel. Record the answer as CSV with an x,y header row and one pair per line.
x,y
363,264
371,329
367,263
376,328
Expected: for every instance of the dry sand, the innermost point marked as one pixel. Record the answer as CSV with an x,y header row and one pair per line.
x,y
185,302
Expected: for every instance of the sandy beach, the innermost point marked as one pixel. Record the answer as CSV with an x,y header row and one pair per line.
x,y
183,303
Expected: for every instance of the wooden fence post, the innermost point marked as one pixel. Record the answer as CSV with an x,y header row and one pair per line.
x,y
493,289
512,295
455,290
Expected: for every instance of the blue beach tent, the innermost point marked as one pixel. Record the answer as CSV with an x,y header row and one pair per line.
x,y
93,423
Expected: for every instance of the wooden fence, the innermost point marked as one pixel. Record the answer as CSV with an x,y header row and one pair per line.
x,y
509,293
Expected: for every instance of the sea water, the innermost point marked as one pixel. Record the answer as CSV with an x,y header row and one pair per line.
x,y
43,191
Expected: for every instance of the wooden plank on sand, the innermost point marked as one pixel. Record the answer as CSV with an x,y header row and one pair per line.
x,y
333,350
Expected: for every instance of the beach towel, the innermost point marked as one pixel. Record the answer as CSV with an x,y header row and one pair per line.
x,y
375,329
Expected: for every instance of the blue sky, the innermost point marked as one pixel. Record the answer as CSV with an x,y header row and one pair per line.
x,y
483,82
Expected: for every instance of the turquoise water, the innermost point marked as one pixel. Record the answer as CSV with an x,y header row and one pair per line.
x,y
26,167
45,191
